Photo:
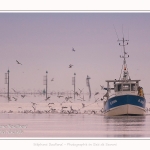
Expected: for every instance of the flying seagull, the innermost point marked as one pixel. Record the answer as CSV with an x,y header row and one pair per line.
x,y
13,90
80,90
33,104
22,96
15,98
96,93
73,49
47,98
59,96
50,103
70,66
18,62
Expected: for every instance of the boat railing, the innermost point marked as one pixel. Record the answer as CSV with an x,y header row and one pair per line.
x,y
112,95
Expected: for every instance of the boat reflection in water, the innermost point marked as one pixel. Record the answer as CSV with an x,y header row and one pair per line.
x,y
127,126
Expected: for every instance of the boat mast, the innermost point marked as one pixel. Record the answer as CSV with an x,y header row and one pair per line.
x,y
124,56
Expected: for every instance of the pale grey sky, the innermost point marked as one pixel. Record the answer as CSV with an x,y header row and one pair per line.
x,y
43,42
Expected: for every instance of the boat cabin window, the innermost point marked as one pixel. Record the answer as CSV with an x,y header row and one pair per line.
x,y
126,87
133,87
119,87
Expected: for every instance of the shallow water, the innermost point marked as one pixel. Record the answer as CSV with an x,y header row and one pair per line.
x,y
88,123
73,125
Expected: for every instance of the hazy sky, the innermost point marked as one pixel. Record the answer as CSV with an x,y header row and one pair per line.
x,y
43,42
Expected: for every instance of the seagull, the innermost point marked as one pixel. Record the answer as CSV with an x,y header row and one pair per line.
x,y
102,87
22,96
96,99
34,108
73,49
18,62
64,107
15,98
83,105
93,112
50,103
81,99
67,98
96,93
77,93
80,90
60,96
70,66
13,90
47,98
33,103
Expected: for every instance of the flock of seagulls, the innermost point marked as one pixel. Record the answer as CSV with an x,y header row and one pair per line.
x,y
64,109
66,104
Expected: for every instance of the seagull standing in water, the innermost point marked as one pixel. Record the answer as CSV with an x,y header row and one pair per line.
x,y
50,103
33,103
18,62
83,105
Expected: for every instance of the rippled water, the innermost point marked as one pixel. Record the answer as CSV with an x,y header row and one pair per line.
x,y
73,125
57,124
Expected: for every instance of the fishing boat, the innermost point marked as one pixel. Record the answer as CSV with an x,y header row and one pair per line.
x,y
128,97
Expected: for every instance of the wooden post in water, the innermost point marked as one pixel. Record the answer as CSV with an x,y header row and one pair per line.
x,y
88,84
74,83
7,82
45,82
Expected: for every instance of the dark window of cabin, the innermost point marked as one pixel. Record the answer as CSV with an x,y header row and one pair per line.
x,y
115,87
119,87
126,87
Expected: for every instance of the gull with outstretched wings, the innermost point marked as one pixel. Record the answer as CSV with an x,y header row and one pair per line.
x,y
18,62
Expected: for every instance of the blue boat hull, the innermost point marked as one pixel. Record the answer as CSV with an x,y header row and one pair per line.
x,y
125,105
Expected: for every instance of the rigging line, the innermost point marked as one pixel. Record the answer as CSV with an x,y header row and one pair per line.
x,y
122,31
128,71
121,71
128,34
116,33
